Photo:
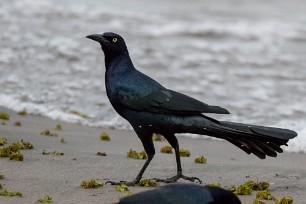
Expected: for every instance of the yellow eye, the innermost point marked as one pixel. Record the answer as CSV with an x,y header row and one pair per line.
x,y
115,40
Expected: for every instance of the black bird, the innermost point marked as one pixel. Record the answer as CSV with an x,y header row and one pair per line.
x,y
183,194
151,108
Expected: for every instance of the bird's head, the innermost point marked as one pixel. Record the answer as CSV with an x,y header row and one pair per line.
x,y
112,44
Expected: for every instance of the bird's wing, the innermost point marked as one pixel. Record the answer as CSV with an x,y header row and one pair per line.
x,y
162,100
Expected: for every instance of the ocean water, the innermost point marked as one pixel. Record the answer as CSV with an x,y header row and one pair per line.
x,y
246,56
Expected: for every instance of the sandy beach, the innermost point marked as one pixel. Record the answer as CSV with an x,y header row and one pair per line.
x,y
245,56
61,176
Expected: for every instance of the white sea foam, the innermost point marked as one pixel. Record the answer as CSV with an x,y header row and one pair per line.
x,y
38,109
298,144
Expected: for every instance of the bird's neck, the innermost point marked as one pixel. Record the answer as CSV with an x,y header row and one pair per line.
x,y
118,63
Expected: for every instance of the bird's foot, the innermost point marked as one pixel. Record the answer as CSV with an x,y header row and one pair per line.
x,y
177,177
131,183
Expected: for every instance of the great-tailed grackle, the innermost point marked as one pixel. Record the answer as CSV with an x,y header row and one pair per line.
x,y
151,108
183,194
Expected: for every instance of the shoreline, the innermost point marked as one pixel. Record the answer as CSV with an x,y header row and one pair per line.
x,y
61,176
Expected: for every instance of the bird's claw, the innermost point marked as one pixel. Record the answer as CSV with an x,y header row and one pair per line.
x,y
177,177
192,179
131,183
114,182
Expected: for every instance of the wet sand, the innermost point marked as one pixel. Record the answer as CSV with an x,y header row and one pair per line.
x,y
61,176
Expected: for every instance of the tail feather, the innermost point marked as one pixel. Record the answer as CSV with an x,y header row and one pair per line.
x,y
276,148
259,149
255,149
260,140
261,130
240,145
268,150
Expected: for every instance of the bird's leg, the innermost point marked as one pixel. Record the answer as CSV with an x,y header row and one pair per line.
x,y
174,143
138,177
147,142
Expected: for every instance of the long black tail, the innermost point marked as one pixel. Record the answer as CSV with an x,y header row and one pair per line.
x,y
259,140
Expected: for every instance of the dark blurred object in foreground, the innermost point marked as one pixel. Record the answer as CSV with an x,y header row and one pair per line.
x,y
183,194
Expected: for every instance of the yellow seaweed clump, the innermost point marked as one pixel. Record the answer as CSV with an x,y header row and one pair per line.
x,y
166,149
62,140
158,137
91,183
249,186
17,123
16,156
23,145
104,137
245,189
285,200
122,187
214,184
3,141
45,152
45,199
6,192
258,201
5,151
135,155
264,195
47,132
184,152
260,186
4,116
148,183
56,153
11,152
232,188
200,160
58,127
1,176
23,112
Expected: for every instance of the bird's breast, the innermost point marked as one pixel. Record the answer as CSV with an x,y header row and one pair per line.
x,y
112,82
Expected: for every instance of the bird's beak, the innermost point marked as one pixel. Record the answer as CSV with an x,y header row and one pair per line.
x,y
99,38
